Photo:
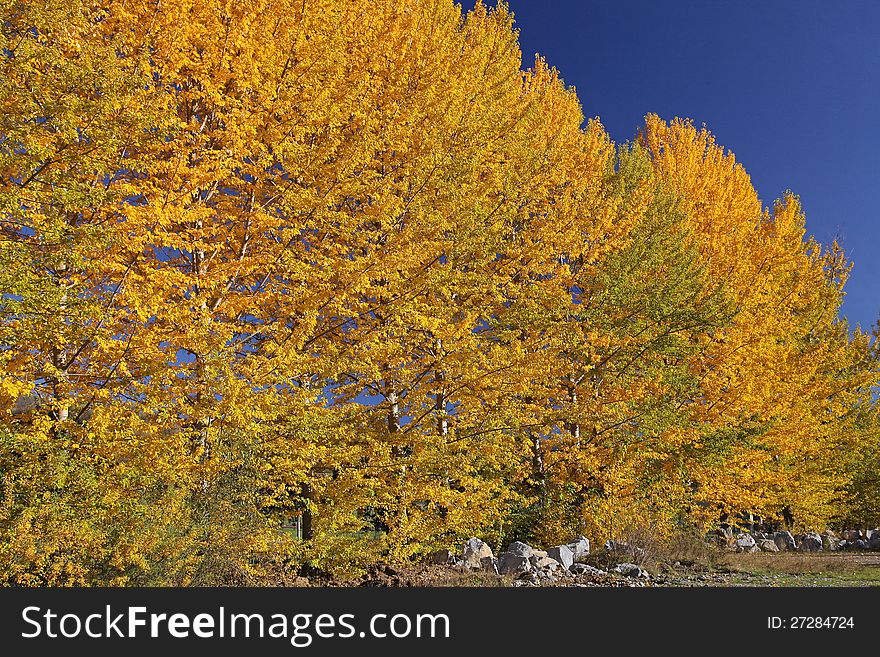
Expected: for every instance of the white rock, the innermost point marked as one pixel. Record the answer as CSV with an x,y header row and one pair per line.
x,y
520,549
584,569
563,554
631,570
766,545
513,564
811,542
744,543
545,562
784,541
473,551
580,547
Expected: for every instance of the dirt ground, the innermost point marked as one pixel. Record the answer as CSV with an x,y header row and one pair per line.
x,y
783,569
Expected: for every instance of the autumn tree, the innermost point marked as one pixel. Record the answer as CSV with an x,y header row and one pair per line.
x,y
779,381
348,261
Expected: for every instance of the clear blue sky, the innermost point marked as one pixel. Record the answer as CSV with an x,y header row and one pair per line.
x,y
791,87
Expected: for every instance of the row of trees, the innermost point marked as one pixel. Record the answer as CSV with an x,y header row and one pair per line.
x,y
346,260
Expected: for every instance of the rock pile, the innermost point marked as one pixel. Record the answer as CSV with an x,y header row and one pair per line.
x,y
558,565
562,565
784,541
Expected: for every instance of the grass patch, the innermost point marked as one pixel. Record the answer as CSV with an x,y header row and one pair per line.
x,y
796,569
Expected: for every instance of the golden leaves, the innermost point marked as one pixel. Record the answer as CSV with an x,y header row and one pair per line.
x,y
347,259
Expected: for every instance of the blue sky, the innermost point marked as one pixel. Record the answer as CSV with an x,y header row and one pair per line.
x,y
791,87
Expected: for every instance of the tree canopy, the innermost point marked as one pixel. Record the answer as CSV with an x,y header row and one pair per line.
x,y
347,261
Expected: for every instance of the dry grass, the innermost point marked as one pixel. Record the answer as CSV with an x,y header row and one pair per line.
x,y
798,563
685,548
430,576
467,579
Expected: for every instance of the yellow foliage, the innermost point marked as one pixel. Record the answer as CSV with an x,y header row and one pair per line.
x,y
347,262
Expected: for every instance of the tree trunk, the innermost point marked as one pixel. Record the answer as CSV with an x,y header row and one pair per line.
x,y
306,527
440,399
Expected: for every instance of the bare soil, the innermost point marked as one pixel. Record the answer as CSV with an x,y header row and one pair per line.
x,y
783,569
